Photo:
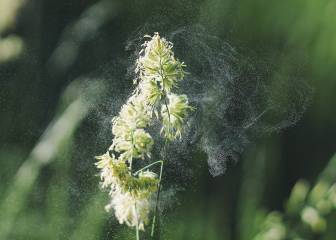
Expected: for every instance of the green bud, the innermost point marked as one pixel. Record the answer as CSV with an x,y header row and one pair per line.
x,y
297,197
273,228
332,195
324,206
312,218
319,191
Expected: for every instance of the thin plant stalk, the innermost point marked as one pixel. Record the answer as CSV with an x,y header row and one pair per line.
x,y
137,225
157,200
148,166
158,192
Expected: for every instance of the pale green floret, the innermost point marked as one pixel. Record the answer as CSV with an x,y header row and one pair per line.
x,y
137,145
174,115
172,73
122,145
142,186
104,161
147,174
151,91
129,195
134,114
130,138
158,64
142,143
131,210
115,174
121,129
113,171
133,117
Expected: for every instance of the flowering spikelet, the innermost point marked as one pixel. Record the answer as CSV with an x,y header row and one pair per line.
x,y
157,64
129,209
159,72
174,115
113,171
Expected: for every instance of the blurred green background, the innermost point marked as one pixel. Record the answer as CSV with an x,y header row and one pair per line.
x,y
48,183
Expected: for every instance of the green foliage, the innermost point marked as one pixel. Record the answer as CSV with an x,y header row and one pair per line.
x,y
53,194
307,211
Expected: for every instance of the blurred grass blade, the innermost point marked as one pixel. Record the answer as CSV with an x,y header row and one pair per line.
x,y
329,173
261,164
91,220
58,195
251,191
53,139
80,32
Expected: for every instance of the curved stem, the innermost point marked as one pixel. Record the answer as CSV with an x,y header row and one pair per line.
x,y
148,166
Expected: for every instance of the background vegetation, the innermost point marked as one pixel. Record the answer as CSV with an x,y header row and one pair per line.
x,y
50,132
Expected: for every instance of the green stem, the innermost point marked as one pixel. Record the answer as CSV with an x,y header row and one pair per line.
x,y
165,102
148,166
137,224
157,201
131,160
161,72
158,192
137,232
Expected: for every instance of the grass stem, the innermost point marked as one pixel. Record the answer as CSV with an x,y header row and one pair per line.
x,y
157,200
